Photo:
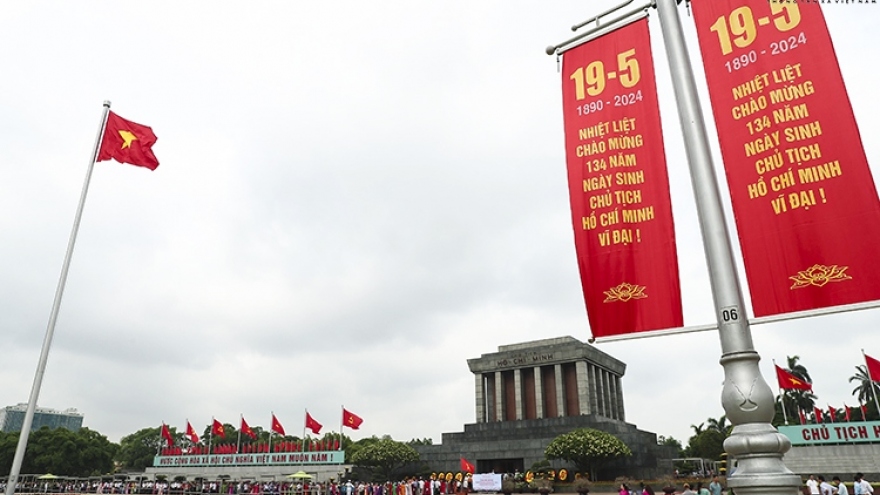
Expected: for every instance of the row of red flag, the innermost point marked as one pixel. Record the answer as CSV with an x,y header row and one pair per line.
x,y
788,381
349,419
819,415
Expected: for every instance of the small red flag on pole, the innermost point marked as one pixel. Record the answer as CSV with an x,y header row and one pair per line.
x,y
351,419
166,434
312,424
127,142
191,433
276,425
788,381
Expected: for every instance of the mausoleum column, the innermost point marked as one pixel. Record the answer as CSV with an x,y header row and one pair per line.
x,y
606,392
517,393
620,412
539,393
593,385
583,386
499,397
480,397
560,391
612,392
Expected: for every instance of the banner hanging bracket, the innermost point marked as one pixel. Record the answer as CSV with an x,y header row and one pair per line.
x,y
600,29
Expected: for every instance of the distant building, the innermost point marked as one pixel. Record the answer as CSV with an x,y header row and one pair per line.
x,y
527,394
12,418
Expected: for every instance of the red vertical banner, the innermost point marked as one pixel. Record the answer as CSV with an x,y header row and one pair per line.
x,y
618,185
803,196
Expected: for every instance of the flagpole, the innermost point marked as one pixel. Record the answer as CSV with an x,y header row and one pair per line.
x,y
341,424
210,439
240,421
873,386
53,317
159,446
271,431
302,459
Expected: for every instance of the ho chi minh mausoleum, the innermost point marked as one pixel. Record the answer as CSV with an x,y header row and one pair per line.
x,y
527,394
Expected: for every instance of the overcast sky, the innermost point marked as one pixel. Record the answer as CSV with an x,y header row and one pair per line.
x,y
353,199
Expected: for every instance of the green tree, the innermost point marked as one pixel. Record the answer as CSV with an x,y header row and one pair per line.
x,y
61,451
421,441
384,456
588,449
136,451
866,390
708,444
720,425
670,442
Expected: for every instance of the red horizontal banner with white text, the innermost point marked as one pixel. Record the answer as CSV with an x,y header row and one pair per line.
x,y
618,185
803,196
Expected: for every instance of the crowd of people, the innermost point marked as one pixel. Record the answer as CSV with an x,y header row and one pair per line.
x,y
713,488
818,485
411,486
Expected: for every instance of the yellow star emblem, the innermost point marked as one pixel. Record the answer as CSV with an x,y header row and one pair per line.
x,y
127,137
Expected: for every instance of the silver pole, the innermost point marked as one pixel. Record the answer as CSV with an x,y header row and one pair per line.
x,y
53,317
747,399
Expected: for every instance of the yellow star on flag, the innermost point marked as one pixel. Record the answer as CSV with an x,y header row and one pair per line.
x,y
128,137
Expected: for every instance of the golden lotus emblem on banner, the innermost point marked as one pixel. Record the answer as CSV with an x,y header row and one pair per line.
x,y
625,292
563,474
529,476
819,275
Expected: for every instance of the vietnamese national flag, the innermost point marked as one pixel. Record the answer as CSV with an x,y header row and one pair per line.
x,y
312,424
191,433
127,142
166,434
818,414
351,419
246,429
466,466
276,425
217,429
832,413
802,416
787,381
873,368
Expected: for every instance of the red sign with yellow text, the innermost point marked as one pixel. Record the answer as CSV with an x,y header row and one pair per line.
x,y
804,199
619,189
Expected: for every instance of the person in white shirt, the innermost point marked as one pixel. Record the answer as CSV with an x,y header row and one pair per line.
x,y
825,488
841,488
813,485
863,487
